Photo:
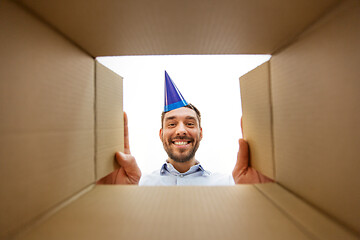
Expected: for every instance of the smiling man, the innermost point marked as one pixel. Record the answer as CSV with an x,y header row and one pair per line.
x,y
181,134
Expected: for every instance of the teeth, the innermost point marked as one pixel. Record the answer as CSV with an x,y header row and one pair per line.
x,y
180,143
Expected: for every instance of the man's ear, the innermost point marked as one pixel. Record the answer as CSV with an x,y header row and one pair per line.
x,y
160,134
201,134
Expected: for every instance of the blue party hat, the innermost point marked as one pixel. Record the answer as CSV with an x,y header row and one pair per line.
x,y
173,97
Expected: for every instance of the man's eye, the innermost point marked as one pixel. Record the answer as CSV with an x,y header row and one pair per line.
x,y
190,124
171,124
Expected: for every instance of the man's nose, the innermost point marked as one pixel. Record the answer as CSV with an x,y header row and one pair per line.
x,y
180,130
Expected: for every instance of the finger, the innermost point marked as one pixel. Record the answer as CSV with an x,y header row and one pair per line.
x,y
243,155
126,161
126,135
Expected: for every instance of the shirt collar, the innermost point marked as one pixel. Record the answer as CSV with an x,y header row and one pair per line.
x,y
169,168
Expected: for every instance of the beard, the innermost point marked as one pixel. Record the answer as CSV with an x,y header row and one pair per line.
x,y
180,157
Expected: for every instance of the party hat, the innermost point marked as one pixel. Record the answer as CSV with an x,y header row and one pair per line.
x,y
173,97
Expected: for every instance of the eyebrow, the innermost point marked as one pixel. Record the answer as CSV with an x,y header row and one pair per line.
x,y
190,117
173,117
170,118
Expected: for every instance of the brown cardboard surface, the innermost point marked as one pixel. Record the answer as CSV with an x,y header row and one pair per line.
x,y
316,109
128,27
131,212
46,118
257,119
318,225
109,119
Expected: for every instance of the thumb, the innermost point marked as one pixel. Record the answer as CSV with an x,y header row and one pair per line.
x,y
243,155
125,160
128,163
129,170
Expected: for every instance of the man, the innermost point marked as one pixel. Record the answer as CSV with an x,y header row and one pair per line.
x,y
180,134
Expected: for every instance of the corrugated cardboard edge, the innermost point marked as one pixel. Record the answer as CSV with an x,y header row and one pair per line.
x,y
257,118
307,217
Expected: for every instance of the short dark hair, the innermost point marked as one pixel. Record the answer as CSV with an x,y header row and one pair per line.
x,y
198,115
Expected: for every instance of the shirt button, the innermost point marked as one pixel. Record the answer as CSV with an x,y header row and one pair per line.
x,y
181,175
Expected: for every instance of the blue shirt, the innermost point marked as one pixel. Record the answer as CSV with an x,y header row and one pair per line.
x,y
196,175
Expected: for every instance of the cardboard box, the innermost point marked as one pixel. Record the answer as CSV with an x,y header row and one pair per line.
x,y
59,130
314,120
46,119
109,132
127,27
316,115
131,212
128,212
257,118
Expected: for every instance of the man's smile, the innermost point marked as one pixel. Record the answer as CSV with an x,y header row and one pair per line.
x,y
181,142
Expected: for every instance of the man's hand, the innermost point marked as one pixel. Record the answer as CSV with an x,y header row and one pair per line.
x,y
242,172
129,172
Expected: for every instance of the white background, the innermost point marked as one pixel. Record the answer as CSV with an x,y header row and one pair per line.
x,y
210,82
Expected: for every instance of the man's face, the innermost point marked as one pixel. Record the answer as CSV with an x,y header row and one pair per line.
x,y
181,134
